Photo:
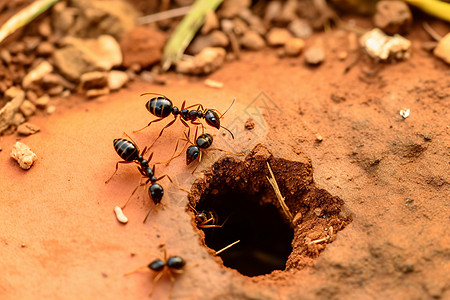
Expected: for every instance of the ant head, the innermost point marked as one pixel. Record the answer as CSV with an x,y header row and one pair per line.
x,y
212,118
156,265
201,217
192,153
156,193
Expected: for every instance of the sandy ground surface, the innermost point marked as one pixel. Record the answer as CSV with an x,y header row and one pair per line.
x,y
60,238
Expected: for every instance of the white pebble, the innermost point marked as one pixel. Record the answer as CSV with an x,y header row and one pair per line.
x,y
404,113
119,215
23,155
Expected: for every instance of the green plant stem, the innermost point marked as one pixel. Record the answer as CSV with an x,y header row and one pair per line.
x,y
186,30
25,16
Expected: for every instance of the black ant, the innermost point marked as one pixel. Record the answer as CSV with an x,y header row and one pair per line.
x,y
206,218
169,266
129,152
194,151
162,107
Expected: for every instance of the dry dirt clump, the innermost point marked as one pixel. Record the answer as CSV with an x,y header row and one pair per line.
x,y
239,192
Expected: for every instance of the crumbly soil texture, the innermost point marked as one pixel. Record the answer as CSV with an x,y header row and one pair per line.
x,y
239,193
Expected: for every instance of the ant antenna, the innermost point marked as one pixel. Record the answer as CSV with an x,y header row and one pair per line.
x,y
143,94
228,108
232,135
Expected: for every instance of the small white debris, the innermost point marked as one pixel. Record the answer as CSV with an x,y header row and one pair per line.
x,y
119,215
213,83
383,47
404,113
23,155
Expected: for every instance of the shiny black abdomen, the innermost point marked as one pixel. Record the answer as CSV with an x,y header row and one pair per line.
x,y
175,262
159,106
126,149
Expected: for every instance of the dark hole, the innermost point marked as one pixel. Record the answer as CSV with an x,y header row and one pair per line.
x,y
265,237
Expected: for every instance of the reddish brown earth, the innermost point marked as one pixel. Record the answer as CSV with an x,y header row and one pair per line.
x,y
60,238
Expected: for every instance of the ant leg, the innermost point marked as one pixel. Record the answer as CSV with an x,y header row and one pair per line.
x,y
214,226
198,123
199,160
193,208
171,181
155,280
149,212
228,152
157,120
149,159
117,166
170,124
173,155
187,125
199,106
172,283
134,191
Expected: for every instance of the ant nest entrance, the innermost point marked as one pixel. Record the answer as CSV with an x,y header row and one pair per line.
x,y
241,198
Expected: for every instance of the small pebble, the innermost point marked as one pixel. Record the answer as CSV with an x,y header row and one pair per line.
x,y
94,80
278,36
27,129
18,119
117,79
300,28
249,124
45,49
6,56
97,92
251,40
314,55
206,62
51,109
294,47
42,101
37,73
27,108
211,22
31,95
120,215
342,55
404,113
319,138
23,155
442,49
56,90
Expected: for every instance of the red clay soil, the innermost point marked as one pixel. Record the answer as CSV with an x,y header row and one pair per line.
x,y
60,238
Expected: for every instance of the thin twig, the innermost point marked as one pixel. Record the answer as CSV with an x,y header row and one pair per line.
x,y
225,248
430,30
164,15
280,197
